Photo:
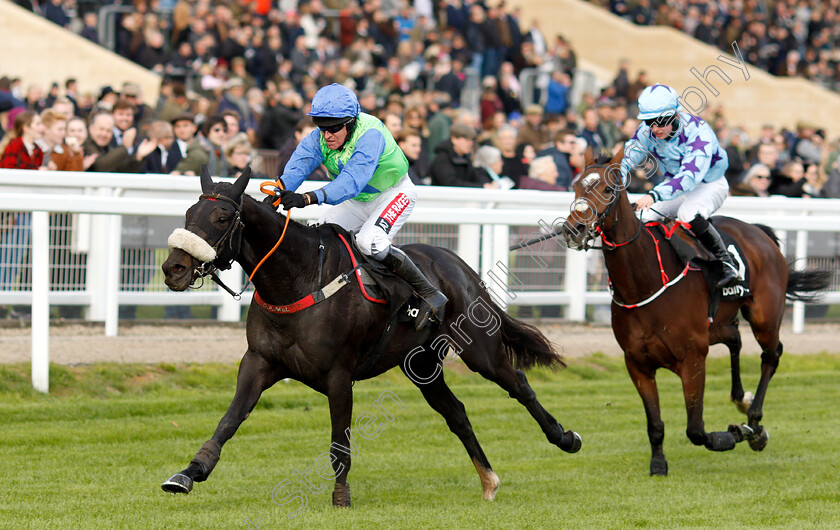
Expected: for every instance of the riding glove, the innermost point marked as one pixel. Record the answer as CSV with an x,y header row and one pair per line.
x,y
290,199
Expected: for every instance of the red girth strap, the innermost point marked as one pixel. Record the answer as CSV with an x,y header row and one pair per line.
x,y
321,294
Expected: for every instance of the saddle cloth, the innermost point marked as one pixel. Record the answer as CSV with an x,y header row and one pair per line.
x,y
380,285
690,250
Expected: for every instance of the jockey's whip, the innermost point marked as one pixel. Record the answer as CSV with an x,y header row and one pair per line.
x,y
535,240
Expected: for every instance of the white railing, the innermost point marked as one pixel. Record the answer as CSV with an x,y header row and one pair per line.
x,y
487,223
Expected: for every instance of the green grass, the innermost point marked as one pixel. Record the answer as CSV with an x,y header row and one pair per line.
x,y
94,452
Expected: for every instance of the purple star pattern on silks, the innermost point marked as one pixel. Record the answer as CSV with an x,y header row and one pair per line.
x,y
676,184
681,138
635,135
698,145
689,166
657,85
715,158
668,175
656,154
695,120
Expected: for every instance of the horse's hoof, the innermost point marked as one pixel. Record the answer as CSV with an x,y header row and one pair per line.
x,y
741,432
744,404
178,483
658,467
341,496
576,443
759,441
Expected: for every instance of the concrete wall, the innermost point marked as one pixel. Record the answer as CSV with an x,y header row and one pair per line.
x,y
668,56
39,52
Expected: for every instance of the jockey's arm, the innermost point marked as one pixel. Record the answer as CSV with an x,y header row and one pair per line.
x,y
306,157
691,173
354,177
635,153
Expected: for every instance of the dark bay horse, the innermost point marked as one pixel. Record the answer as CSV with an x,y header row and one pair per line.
x,y
672,330
327,346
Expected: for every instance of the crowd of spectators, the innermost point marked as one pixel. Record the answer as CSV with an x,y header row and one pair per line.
x,y
238,76
792,38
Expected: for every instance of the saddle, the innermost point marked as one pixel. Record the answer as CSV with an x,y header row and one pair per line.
x,y
380,286
690,250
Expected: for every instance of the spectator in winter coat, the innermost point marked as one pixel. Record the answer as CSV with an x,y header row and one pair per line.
x,y
453,161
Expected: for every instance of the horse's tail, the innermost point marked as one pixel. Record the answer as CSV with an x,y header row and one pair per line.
x,y
803,286
526,346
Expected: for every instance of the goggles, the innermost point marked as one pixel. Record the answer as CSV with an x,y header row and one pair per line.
x,y
333,129
661,121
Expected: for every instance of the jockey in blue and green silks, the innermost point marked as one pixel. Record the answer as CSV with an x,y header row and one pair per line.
x,y
693,162
370,185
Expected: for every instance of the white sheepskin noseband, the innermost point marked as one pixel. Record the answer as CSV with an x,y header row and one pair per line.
x,y
192,245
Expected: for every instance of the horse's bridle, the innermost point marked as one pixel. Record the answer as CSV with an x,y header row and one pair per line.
x,y
598,231
227,247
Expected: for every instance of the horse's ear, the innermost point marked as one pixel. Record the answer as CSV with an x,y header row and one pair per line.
x,y
618,156
241,183
206,180
588,157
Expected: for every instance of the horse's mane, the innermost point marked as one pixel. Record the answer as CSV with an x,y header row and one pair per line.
x,y
223,188
603,158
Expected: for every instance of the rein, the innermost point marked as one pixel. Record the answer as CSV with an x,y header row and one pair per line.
x,y
607,245
666,282
209,269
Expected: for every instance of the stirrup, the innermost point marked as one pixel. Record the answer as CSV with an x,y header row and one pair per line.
x,y
432,310
729,276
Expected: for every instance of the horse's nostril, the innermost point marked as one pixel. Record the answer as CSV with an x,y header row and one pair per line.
x,y
178,269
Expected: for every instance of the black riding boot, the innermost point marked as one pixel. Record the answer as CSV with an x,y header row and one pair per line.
x,y
401,265
709,236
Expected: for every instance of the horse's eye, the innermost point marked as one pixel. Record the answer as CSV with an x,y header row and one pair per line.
x,y
609,190
223,219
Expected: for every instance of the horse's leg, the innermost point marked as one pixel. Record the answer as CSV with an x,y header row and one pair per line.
x,y
340,394
769,363
731,338
644,379
255,375
765,326
497,368
442,400
692,372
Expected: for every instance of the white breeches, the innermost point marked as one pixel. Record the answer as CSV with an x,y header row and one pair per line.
x,y
377,221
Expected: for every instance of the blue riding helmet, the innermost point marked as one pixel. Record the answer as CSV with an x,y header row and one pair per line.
x,y
334,104
658,100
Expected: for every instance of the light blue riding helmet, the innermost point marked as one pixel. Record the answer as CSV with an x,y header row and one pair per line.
x,y
658,100
334,104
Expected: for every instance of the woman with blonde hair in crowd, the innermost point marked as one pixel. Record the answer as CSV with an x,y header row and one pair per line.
x,y
815,178
754,183
239,153
61,153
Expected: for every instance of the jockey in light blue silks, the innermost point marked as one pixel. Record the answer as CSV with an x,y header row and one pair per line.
x,y
370,185
693,162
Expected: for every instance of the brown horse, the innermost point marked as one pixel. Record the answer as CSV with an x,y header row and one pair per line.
x,y
334,341
672,330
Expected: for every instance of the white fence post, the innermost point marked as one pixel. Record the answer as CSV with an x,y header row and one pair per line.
x,y
111,278
230,309
469,245
495,267
40,301
576,284
800,264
